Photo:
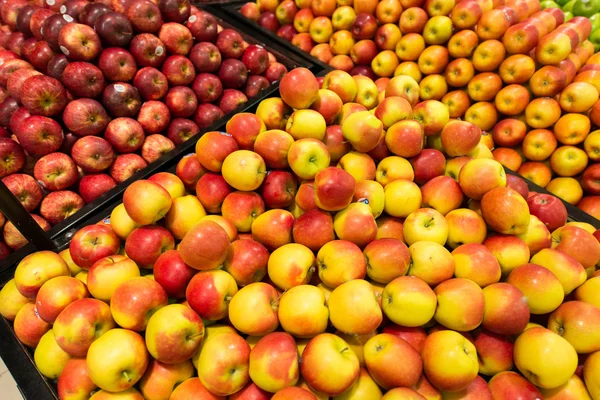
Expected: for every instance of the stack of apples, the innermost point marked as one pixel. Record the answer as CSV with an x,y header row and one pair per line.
x,y
316,250
91,94
524,75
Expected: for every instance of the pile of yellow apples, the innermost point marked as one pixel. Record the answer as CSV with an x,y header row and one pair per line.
x,y
526,76
316,249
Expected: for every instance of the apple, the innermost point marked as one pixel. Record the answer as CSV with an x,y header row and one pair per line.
x,y
59,205
151,83
578,243
121,99
13,239
154,117
552,371
114,29
299,88
125,166
25,189
175,11
205,57
207,87
212,190
135,301
279,189
181,129
177,38
43,95
500,297
117,64
91,313
275,72
92,154
91,12
231,100
244,170
178,70
549,209
79,42
145,244
172,273
117,350
56,171
490,175
12,157
440,351
75,378
148,50
16,79
346,367
230,43
95,185
233,73
124,134
212,254
29,327
57,65
85,117
215,363
203,26
39,135
155,146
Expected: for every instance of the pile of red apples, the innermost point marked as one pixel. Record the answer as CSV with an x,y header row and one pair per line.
x,y
526,76
317,250
91,93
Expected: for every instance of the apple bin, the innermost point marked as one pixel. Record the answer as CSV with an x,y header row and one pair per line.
x,y
95,204
522,70
19,357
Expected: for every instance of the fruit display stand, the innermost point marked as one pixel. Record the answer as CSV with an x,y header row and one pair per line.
x,y
19,358
289,59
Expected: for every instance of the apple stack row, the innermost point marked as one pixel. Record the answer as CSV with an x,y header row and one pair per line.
x,y
526,76
91,93
304,251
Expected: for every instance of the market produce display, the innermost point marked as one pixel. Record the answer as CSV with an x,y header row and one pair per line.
x,y
316,250
528,77
91,94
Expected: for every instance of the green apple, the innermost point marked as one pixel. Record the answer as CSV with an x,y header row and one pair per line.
x,y
595,20
568,7
562,2
595,39
549,4
568,15
586,8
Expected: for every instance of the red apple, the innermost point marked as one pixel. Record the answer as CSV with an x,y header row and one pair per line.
x,y
145,16
51,29
182,129
177,38
37,19
172,273
206,57
151,83
211,190
181,101
83,79
146,243
427,165
203,26
255,84
233,73
93,154
39,135
231,100
59,205
85,117
95,185
43,95
154,117
56,66
56,171
279,189
175,10
256,59
23,17
126,135
549,209
206,114
207,87
125,165
275,72
230,43
25,189
91,12
179,70
79,42
148,50
121,99
114,29
12,157
117,64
